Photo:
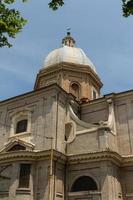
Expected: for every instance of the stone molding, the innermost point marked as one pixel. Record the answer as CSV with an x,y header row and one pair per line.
x,y
31,156
4,193
67,67
96,157
71,194
16,117
80,122
90,157
33,95
103,99
13,141
119,160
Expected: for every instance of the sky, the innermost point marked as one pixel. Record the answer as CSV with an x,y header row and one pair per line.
x,y
98,28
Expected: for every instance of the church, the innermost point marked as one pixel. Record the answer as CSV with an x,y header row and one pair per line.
x,y
64,140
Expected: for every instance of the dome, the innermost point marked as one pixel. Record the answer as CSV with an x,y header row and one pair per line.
x,y
68,53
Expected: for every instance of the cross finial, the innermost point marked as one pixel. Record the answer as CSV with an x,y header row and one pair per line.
x,y
68,31
68,40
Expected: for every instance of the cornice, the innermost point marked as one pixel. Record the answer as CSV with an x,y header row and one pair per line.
x,y
114,157
68,67
95,157
127,161
90,157
94,102
115,96
35,93
31,156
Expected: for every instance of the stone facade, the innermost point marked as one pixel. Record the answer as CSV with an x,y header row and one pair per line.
x,y
56,145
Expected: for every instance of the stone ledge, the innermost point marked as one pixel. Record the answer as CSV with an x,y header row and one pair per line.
x,y
129,195
23,191
83,193
60,195
4,193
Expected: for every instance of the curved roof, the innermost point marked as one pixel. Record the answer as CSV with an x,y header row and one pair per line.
x,y
68,54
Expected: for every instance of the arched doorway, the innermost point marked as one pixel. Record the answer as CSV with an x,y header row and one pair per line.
x,y
84,183
84,188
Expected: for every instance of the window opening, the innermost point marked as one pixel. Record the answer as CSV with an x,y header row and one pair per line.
x,y
68,131
75,90
22,126
94,94
24,175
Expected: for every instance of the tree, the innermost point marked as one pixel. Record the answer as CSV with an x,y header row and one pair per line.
x,y
55,4
11,21
127,7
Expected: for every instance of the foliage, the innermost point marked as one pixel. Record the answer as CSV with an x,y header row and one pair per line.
x,y
55,4
127,7
11,22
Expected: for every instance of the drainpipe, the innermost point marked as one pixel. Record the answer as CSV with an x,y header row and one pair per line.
x,y
51,168
56,143
57,108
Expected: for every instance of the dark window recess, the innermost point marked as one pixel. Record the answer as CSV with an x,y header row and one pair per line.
x,y
68,131
75,90
24,176
84,183
22,126
94,95
66,138
17,147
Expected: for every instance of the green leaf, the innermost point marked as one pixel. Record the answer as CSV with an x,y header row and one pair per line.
x,y
55,4
11,23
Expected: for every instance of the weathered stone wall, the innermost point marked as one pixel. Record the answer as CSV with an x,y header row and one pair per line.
x,y
97,111
92,141
47,110
83,143
105,174
126,181
38,183
124,123
49,113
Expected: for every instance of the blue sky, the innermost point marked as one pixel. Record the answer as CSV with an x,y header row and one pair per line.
x,y
98,28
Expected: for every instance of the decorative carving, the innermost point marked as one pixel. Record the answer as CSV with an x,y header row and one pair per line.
x,y
111,117
15,141
16,117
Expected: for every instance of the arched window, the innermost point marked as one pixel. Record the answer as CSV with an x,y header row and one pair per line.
x,y
84,183
20,122
21,126
75,89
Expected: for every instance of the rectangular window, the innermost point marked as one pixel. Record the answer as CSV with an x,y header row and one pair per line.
x,y
94,94
24,176
21,126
